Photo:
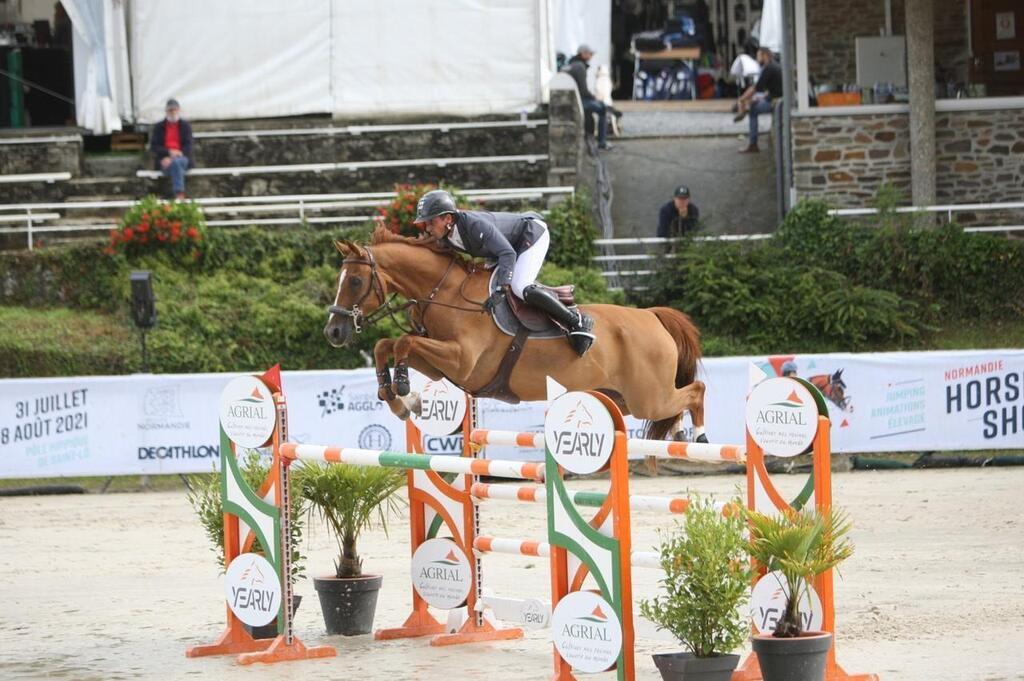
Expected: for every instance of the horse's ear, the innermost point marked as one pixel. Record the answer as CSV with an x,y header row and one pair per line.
x,y
348,248
839,374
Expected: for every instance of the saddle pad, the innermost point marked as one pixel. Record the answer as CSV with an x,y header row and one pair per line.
x,y
540,326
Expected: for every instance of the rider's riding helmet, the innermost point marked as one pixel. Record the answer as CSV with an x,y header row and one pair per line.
x,y
432,204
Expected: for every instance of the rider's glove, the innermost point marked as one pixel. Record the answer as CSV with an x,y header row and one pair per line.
x,y
492,303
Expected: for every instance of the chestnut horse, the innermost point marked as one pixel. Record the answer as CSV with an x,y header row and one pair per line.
x,y
644,359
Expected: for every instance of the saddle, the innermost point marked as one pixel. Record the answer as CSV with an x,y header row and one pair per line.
x,y
513,315
517,319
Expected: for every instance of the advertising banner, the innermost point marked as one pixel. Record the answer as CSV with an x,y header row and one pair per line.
x,y
152,424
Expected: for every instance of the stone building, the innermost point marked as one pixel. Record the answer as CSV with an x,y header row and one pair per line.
x,y
945,124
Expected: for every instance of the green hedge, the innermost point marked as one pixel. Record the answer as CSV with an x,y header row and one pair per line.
x,y
823,284
258,297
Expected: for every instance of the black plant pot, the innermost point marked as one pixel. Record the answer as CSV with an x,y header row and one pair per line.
x,y
687,667
270,630
348,604
793,659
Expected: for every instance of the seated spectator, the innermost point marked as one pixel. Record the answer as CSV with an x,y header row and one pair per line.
x,y
171,145
603,92
758,98
577,68
744,71
679,216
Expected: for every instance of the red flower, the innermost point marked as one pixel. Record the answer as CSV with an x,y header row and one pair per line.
x,y
176,224
108,250
192,233
143,228
128,233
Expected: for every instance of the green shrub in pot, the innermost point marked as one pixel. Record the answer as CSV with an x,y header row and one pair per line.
x,y
706,583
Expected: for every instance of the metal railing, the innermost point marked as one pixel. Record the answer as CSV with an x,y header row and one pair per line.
x,y
49,178
353,165
304,209
949,209
619,279
528,123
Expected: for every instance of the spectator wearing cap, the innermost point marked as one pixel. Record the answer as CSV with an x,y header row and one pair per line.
x,y
577,68
679,216
171,145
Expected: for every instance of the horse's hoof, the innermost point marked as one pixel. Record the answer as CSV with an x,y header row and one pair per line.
x,y
384,394
702,438
413,403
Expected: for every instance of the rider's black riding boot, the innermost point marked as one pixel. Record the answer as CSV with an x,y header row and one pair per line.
x,y
580,336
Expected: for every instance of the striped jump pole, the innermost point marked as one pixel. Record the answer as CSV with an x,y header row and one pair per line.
x,y
537,494
540,549
659,449
517,470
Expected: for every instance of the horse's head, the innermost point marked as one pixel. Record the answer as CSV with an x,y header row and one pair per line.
x,y
361,290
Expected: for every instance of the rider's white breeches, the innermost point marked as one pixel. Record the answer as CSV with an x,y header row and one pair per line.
x,y
529,262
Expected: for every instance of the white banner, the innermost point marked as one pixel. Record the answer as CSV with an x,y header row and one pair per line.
x,y
151,424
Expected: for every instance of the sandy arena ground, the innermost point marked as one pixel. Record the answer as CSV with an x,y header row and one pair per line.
x,y
117,586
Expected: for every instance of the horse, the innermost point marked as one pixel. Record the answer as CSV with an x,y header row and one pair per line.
x,y
833,388
644,359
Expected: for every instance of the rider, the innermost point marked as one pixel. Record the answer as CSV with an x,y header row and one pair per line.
x,y
517,241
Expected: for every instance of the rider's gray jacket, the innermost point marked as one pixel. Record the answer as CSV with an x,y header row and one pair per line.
x,y
501,236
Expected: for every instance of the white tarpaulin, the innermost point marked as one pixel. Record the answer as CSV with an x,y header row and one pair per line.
x,y
263,58
584,22
102,84
456,56
168,423
253,59
771,26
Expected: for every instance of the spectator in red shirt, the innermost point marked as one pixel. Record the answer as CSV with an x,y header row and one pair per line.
x,y
171,144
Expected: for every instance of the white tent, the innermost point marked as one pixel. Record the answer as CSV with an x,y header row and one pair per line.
x,y
771,26
265,58
584,22
102,84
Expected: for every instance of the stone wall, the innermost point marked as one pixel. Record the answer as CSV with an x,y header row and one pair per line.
x,y
844,159
833,26
565,132
42,157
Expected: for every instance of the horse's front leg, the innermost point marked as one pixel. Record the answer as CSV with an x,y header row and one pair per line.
x,y
433,357
382,351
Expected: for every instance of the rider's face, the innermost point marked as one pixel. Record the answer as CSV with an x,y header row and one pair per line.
x,y
438,227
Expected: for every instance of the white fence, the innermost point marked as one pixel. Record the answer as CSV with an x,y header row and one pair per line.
x,y
296,209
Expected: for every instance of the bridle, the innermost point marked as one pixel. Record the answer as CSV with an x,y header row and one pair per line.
x,y
387,307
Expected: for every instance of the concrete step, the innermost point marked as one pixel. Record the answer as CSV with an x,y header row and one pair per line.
x,y
112,165
368,146
465,176
121,186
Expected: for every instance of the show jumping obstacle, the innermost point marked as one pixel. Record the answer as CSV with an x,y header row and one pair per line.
x,y
598,547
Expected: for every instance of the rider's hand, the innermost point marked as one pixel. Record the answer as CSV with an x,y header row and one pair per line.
x,y
491,303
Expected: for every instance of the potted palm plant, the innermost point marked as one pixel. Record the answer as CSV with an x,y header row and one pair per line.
x,y
204,494
349,499
707,580
799,545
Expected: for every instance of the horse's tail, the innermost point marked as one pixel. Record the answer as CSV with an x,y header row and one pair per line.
x,y
687,337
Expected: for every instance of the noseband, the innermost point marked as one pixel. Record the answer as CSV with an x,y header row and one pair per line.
x,y
359,320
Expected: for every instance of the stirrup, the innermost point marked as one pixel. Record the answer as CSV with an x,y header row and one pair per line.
x,y
581,337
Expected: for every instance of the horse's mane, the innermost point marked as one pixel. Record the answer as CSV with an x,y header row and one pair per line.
x,y
383,235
